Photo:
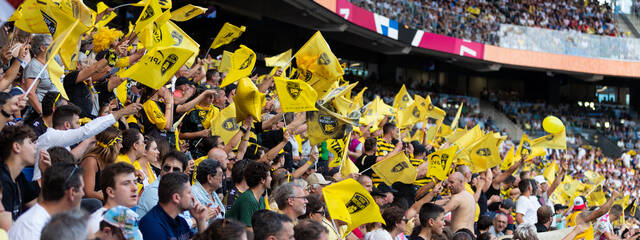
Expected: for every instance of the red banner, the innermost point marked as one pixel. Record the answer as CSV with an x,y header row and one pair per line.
x,y
355,14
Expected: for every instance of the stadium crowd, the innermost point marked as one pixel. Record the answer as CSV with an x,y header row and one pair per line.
x,y
479,20
79,162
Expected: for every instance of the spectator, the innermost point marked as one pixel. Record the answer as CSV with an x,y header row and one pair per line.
x,y
119,188
108,144
119,223
209,180
604,227
70,225
525,231
273,225
61,191
461,203
291,200
544,219
309,229
50,102
132,152
174,197
499,225
39,44
431,222
395,224
173,161
224,229
527,204
18,151
258,179
239,183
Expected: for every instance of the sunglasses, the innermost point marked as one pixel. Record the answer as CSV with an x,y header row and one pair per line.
x,y
169,169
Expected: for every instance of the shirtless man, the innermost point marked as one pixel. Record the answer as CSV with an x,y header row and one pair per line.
x,y
461,205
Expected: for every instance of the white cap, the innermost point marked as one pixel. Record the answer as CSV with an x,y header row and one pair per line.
x,y
540,179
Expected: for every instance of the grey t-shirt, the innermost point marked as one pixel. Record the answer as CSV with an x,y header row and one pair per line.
x,y
33,68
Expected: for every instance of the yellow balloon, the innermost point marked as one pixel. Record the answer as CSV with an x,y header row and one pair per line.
x,y
552,124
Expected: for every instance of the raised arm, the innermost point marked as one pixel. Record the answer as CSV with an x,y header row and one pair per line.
x,y
556,182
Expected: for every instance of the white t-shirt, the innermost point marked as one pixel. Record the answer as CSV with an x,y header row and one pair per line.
x,y
602,226
528,206
378,234
30,224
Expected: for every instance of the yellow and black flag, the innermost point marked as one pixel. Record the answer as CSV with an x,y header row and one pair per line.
x,y
150,13
60,18
440,162
227,34
552,141
224,124
484,154
157,66
183,40
410,115
279,60
402,100
187,12
433,111
317,65
338,147
249,100
325,124
350,202
242,62
28,17
157,34
396,168
295,95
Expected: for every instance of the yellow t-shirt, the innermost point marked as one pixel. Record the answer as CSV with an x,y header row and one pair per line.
x,y
153,113
125,158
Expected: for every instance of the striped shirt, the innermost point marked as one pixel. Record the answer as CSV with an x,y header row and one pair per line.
x,y
383,148
423,180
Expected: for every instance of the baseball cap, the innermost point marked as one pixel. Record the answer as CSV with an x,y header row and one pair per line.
x,y
126,220
579,203
182,81
317,178
507,203
540,179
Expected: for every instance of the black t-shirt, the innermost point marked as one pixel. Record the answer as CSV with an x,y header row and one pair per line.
x,y
16,193
541,228
492,191
79,93
365,162
39,127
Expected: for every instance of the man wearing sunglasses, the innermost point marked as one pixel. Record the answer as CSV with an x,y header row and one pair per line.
x,y
173,161
62,190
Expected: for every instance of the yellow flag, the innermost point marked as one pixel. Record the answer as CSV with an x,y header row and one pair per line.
x,y
593,177
187,12
164,4
375,111
150,13
295,95
457,134
410,115
343,105
440,162
227,34
358,99
436,134
572,188
623,201
101,7
396,168
279,60
507,162
596,197
56,72
121,92
157,66
454,123
225,63
349,202
433,111
324,124
484,154
242,62
402,99
348,167
183,40
550,171
557,198
553,141
524,148
337,92
317,64
339,147
54,49
469,138
157,33
249,100
224,124
60,18
28,17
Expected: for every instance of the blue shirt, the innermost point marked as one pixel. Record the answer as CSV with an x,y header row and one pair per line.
x,y
203,198
157,224
149,199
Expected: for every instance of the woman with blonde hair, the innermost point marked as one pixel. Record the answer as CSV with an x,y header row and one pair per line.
x,y
108,144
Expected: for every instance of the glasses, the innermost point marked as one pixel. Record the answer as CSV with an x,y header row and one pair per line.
x,y
303,197
75,168
169,168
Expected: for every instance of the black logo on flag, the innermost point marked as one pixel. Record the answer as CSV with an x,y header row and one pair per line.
x,y
399,167
405,98
157,33
177,37
307,75
484,152
416,112
549,138
51,23
148,12
247,62
324,59
328,124
168,63
294,89
357,203
526,148
430,107
190,12
230,124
